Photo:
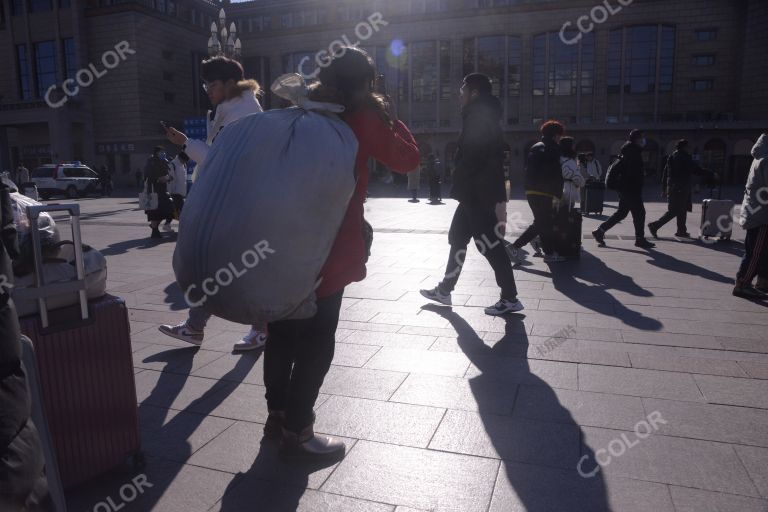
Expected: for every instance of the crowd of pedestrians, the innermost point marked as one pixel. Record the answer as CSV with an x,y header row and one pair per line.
x,y
298,353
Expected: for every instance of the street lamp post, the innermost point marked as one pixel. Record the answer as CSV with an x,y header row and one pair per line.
x,y
224,42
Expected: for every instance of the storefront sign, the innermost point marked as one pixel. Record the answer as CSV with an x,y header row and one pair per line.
x,y
117,147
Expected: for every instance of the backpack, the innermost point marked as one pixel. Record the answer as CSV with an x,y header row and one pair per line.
x,y
613,177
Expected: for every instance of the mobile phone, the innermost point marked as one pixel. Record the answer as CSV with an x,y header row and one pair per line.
x,y
381,85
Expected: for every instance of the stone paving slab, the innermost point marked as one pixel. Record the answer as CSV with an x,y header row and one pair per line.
x,y
447,409
425,479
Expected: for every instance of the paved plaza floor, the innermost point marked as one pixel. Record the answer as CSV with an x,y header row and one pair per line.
x,y
641,359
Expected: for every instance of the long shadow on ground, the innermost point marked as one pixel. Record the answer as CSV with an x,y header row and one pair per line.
x,y
536,437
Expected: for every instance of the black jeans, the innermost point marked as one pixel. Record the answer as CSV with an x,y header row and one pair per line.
x,y
755,261
297,357
682,220
628,203
543,222
478,223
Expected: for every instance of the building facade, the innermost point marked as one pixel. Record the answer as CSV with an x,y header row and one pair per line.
x,y
90,80
694,69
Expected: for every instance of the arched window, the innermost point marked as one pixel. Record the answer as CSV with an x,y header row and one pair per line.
x,y
647,49
499,57
561,68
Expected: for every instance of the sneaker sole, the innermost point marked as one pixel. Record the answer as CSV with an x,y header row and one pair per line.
x,y
180,338
433,299
496,313
247,348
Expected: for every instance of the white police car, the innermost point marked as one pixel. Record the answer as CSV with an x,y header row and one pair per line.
x,y
70,179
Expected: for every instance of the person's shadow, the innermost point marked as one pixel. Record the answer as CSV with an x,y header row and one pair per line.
x,y
174,297
165,444
672,264
586,282
541,444
141,243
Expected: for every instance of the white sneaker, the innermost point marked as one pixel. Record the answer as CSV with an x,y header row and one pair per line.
x,y
436,295
254,340
554,258
167,228
183,332
503,307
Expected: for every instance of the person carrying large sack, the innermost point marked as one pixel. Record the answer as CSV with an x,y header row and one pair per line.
x,y
299,351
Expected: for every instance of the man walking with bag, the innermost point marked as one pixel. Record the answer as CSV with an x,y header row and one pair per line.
x,y
677,187
629,185
478,186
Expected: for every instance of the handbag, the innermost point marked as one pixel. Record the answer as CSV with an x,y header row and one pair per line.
x,y
148,200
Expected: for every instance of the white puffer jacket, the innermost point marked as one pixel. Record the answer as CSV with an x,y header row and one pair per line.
x,y
573,180
226,113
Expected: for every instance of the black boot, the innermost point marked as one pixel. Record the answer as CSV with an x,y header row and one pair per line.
x,y
156,233
599,235
273,428
644,244
308,445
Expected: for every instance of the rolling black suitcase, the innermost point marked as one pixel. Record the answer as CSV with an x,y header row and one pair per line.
x,y
567,233
593,197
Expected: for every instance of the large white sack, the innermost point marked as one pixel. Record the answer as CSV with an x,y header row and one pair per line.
x,y
261,220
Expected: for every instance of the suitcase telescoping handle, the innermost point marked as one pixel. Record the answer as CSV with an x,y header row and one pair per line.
x,y
42,291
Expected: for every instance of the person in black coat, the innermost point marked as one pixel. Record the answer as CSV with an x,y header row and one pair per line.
x,y
478,186
631,182
22,481
676,181
156,177
543,189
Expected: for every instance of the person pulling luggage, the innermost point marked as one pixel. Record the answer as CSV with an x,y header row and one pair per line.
x,y
629,185
676,183
543,189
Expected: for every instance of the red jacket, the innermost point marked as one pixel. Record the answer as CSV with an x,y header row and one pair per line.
x,y
397,149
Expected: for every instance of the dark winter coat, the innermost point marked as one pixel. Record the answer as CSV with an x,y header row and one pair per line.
x,y
543,172
677,180
633,170
478,179
155,169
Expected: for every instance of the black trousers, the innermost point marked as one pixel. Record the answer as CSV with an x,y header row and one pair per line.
x,y
755,260
478,223
682,220
297,357
628,203
543,222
